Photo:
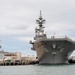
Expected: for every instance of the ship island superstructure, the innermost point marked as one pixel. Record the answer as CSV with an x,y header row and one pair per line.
x,y
53,50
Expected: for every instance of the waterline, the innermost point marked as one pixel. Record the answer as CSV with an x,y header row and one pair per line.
x,y
38,70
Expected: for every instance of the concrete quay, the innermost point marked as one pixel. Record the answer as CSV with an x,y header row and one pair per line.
x,y
8,58
18,63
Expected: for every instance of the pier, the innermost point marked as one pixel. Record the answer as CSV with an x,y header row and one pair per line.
x,y
9,58
18,63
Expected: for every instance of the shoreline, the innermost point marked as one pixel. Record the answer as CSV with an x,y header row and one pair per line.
x,y
24,63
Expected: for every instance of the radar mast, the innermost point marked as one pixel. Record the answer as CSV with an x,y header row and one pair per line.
x,y
39,32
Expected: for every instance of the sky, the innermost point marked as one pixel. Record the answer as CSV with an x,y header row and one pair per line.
x,y
18,22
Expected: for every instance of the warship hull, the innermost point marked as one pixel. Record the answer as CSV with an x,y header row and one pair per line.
x,y
53,51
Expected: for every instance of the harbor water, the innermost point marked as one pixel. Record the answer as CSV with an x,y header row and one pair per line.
x,y
38,70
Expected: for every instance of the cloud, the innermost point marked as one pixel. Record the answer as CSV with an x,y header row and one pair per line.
x,y
17,18
26,39
17,27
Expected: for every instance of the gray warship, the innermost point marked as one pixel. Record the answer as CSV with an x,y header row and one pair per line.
x,y
53,50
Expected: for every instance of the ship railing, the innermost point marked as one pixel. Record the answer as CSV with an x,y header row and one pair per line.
x,y
67,38
62,37
57,37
